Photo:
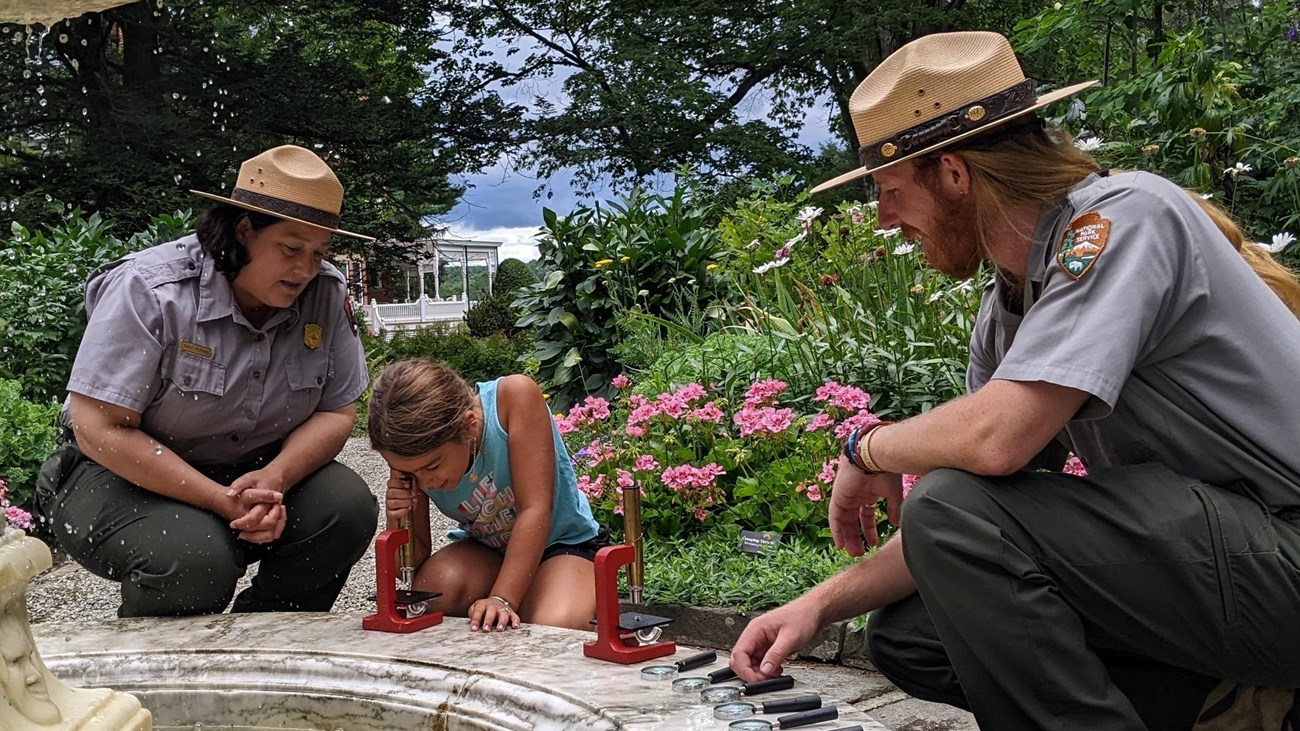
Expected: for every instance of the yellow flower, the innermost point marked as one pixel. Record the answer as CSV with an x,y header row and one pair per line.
x,y
1197,132
711,267
918,289
604,262
624,258
1150,150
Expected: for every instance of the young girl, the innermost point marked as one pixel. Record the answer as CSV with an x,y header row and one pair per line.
x,y
494,461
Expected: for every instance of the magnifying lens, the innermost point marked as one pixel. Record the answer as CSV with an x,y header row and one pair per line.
x,y
728,693
664,672
791,721
743,709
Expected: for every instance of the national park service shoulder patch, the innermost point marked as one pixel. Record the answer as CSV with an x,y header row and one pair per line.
x,y
1082,244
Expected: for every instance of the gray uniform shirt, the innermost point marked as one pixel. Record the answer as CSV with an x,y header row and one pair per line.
x,y
166,339
1189,357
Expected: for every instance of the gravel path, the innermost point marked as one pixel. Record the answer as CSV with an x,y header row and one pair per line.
x,y
70,593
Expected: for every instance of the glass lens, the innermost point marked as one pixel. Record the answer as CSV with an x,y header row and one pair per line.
x,y
690,685
658,672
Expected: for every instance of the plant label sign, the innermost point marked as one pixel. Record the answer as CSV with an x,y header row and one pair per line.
x,y
759,543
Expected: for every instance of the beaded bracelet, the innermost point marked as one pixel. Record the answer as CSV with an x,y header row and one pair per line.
x,y
856,448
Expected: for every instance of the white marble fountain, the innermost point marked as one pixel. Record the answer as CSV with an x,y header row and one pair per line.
x,y
321,671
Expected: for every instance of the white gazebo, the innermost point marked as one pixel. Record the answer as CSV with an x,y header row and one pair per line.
x,y
428,297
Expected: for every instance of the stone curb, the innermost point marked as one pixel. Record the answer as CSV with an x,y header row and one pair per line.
x,y
720,628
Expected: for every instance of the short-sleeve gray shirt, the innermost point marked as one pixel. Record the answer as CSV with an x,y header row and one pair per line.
x,y
166,339
1188,355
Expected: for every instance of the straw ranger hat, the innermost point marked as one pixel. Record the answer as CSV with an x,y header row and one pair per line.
x,y
289,182
935,91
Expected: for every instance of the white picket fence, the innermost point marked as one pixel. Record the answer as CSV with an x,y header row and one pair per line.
x,y
390,316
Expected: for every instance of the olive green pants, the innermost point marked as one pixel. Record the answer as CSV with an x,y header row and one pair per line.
x,y
173,558
1114,601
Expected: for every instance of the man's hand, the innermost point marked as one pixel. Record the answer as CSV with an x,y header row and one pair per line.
x,y
770,639
263,479
853,506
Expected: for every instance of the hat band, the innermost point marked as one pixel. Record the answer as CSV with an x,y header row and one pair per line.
x,y
971,116
285,208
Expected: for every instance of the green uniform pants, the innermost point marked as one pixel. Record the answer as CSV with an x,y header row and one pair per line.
x,y
172,558
1114,601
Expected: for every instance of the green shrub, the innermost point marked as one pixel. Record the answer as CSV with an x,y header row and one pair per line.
x,y
648,253
29,434
511,275
42,303
710,570
491,316
730,360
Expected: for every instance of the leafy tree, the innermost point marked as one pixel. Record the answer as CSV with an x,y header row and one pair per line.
x,y
122,111
712,84
511,275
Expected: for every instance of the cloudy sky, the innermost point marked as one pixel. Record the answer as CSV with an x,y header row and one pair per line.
x,y
499,205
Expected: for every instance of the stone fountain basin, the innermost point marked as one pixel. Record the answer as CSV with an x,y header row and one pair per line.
x,y
322,671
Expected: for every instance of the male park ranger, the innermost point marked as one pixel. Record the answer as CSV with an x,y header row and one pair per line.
x,y
1127,321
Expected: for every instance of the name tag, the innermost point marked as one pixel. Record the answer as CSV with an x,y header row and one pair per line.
x,y
201,351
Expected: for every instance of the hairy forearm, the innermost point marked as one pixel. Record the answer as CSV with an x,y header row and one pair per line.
x,y
994,431
314,443
876,581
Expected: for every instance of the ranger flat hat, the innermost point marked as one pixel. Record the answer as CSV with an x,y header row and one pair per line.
x,y
293,183
935,91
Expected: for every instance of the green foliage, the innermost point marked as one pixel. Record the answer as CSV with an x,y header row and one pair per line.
x,y
840,301
646,253
491,316
730,361
122,111
710,570
29,435
1199,94
511,275
42,305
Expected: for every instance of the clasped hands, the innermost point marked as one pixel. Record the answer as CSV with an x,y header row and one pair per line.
x,y
255,507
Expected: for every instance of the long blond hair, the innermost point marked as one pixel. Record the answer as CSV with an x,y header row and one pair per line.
x,y
416,406
1040,166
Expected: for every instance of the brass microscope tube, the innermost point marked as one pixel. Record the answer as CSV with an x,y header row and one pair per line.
x,y
633,538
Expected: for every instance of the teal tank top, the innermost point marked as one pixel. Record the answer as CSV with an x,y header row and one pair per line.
x,y
483,503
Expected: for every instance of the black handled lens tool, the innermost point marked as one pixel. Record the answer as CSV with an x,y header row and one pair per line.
x,y
791,721
743,709
664,672
721,676
728,693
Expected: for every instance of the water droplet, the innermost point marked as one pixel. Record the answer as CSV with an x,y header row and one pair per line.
x,y
175,95
63,38
43,102
27,73
157,449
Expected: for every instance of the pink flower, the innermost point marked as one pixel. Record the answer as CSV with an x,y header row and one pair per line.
x,y
827,475
683,477
691,393
909,481
1074,466
764,419
847,398
593,489
820,421
814,493
701,514
709,412
862,418
645,463
564,426
19,517
764,392
621,382
624,478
